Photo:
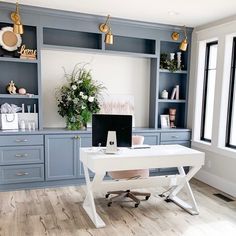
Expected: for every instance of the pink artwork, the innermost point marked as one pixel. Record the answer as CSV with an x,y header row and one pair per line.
x,y
118,104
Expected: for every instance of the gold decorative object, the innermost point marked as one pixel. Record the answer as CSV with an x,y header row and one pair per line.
x,y
27,53
16,18
175,36
106,28
11,88
184,44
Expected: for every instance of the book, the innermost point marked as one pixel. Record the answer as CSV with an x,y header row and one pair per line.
x,y
177,92
173,93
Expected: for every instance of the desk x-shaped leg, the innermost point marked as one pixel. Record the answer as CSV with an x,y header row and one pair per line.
x,y
192,208
89,204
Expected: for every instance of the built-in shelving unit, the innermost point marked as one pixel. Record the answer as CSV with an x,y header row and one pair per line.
x,y
168,81
61,30
23,72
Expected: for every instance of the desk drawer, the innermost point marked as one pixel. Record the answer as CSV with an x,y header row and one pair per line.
x,y
20,140
21,173
21,155
175,136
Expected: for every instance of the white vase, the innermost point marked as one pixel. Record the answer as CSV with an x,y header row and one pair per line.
x,y
172,56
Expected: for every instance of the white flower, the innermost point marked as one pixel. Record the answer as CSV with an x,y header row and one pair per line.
x,y
83,107
75,100
74,87
80,81
81,94
91,99
85,97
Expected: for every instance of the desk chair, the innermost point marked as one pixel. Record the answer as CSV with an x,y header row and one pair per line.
x,y
129,174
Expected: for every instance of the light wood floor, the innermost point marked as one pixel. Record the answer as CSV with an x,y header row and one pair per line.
x,y
58,211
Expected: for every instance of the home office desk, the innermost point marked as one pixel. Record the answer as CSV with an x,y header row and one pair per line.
x,y
160,156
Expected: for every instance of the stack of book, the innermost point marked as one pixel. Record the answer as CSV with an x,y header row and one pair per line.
x,y
175,93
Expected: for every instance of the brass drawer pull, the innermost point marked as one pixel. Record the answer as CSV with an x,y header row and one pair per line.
x,y
22,173
21,140
77,137
174,136
22,155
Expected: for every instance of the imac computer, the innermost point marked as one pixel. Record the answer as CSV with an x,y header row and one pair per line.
x,y
111,131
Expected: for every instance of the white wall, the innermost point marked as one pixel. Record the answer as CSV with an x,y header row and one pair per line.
x,y
220,166
119,74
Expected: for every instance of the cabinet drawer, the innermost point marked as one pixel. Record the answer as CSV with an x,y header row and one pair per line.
x,y
172,136
19,140
21,173
183,143
21,155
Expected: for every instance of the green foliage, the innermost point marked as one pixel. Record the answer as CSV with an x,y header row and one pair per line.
x,y
168,64
78,99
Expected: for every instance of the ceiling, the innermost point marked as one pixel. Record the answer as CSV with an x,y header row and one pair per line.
x,y
191,13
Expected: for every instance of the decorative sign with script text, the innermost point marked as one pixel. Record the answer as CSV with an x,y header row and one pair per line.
x,y
27,53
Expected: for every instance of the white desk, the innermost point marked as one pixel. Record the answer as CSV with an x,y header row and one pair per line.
x,y
161,156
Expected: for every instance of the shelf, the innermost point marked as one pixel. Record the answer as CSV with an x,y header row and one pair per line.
x,y
133,54
176,72
18,96
70,48
70,38
132,45
12,59
172,100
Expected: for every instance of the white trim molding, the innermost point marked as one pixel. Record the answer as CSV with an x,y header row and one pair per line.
x,y
217,182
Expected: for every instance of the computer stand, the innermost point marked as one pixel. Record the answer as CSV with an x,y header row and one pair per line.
x,y
111,147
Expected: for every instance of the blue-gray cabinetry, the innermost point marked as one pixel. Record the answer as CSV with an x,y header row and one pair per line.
x,y
62,156
21,158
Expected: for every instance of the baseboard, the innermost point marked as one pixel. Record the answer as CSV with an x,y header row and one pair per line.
x,y
217,182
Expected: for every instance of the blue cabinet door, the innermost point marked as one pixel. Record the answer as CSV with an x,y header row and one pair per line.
x,y
62,157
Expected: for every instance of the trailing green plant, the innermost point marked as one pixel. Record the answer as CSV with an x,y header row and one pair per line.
x,y
78,98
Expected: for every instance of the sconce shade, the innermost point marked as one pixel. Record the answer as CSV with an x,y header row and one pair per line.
x,y
109,38
18,29
183,45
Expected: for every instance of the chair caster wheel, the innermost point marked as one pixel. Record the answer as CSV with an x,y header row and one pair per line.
x,y
147,197
107,195
136,205
109,204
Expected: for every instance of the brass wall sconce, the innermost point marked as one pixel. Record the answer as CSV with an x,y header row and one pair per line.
x,y
16,18
175,36
105,28
183,45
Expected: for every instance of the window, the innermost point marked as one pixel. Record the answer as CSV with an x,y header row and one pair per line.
x,y
209,91
231,124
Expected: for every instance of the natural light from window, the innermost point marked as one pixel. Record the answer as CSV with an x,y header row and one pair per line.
x,y
209,91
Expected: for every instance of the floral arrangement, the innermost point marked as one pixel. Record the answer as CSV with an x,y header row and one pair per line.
x,y
78,99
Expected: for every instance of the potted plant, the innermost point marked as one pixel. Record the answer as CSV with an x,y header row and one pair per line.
x,y
78,99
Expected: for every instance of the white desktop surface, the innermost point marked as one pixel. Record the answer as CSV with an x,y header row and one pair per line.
x,y
160,156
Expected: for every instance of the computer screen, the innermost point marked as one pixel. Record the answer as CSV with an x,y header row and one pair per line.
x,y
102,123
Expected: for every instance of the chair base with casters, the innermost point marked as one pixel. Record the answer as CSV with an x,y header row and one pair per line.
x,y
129,174
120,195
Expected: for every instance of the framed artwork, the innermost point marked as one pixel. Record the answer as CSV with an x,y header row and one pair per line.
x,y
165,121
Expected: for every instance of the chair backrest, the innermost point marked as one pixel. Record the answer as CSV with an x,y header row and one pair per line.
x,y
137,140
126,174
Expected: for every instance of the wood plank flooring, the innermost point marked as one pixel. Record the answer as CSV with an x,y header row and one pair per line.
x,y
58,211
